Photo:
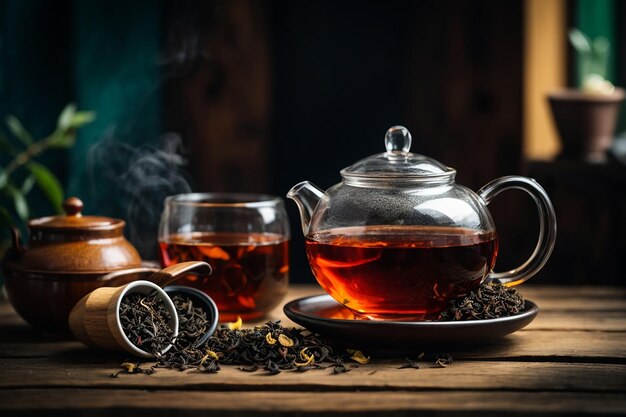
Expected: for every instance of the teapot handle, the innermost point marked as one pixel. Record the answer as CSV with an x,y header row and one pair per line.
x,y
547,227
16,244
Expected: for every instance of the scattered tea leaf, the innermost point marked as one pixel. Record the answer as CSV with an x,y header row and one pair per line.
x,y
409,364
308,359
129,366
132,368
285,340
252,368
359,357
269,339
236,325
210,354
443,360
209,367
340,368
272,368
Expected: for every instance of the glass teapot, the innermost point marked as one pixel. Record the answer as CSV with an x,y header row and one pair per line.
x,y
398,238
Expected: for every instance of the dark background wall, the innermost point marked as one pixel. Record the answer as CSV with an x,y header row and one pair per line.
x,y
341,73
256,96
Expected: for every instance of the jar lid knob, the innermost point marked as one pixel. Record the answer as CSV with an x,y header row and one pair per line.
x,y
398,140
73,206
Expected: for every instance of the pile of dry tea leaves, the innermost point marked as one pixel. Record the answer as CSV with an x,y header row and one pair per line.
x,y
490,300
274,348
270,346
144,320
192,322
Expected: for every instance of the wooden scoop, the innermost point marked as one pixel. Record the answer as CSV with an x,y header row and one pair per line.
x,y
95,319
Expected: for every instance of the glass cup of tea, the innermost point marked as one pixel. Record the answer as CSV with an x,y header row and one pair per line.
x,y
244,237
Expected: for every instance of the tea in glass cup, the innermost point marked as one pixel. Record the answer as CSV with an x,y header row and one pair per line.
x,y
244,237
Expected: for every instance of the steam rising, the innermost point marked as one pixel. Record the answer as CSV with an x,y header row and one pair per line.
x,y
132,182
139,179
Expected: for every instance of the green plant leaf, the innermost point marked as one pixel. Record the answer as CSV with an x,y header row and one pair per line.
x,y
600,47
69,120
579,41
4,179
16,127
65,139
19,201
48,183
65,118
6,146
5,217
82,118
27,185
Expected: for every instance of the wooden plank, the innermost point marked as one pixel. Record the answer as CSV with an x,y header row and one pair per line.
x,y
575,336
613,321
19,340
577,346
138,403
561,291
549,298
528,290
555,345
579,305
379,375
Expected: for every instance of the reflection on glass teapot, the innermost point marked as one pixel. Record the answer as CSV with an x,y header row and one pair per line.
x,y
398,238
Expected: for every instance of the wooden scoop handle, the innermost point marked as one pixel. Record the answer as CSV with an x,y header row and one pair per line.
x,y
124,276
172,273
159,277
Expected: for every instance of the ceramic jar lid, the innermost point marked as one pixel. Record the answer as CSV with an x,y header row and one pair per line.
x,y
74,225
75,243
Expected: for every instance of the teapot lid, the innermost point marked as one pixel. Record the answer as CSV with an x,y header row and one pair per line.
x,y
75,222
397,164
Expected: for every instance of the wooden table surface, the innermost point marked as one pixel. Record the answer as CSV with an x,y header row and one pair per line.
x,y
570,361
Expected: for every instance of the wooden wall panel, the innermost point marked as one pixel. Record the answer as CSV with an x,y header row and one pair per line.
x,y
465,85
545,51
219,93
328,78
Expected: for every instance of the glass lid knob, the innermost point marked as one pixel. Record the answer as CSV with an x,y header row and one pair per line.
x,y
398,140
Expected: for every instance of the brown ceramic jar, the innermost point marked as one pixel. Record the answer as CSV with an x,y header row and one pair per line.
x,y
66,258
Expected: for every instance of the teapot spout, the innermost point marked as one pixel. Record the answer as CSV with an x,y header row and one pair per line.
x,y
306,196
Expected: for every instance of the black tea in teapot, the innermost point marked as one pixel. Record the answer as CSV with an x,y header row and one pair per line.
x,y
400,271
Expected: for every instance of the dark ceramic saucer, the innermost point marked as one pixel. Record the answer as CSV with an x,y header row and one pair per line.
x,y
323,315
